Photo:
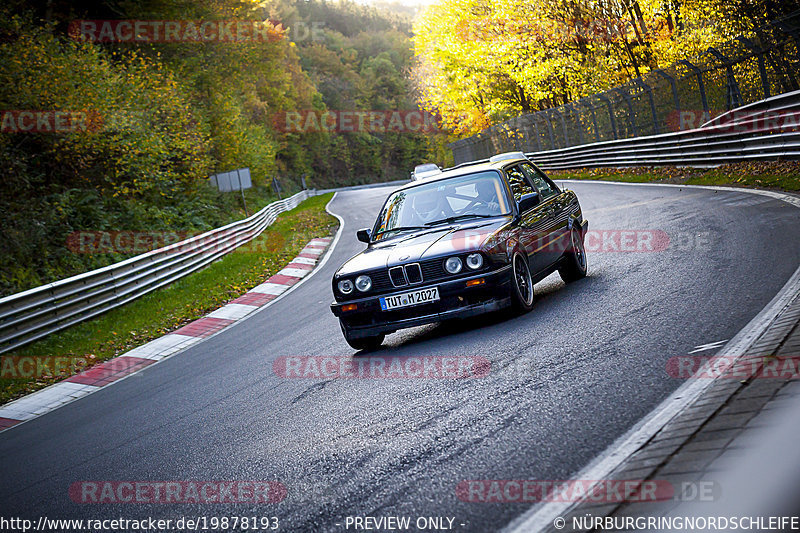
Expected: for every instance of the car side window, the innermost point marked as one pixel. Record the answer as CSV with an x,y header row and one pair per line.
x,y
519,184
543,185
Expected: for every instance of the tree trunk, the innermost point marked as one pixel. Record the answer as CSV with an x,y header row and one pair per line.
x,y
640,18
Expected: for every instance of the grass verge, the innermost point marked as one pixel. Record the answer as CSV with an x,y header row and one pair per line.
x,y
777,175
169,308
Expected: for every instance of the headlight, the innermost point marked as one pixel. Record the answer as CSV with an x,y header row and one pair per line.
x,y
474,261
363,283
453,265
345,286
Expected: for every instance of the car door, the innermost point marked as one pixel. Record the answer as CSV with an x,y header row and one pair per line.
x,y
556,226
533,221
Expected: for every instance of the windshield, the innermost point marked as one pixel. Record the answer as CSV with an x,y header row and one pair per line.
x,y
479,195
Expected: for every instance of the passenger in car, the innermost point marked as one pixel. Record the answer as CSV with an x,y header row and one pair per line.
x,y
487,202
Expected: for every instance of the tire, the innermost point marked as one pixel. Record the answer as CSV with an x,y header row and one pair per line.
x,y
367,344
521,284
574,267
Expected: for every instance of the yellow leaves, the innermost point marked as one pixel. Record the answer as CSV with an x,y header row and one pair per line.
x,y
477,57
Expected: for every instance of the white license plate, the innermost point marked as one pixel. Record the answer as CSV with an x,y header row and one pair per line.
x,y
408,299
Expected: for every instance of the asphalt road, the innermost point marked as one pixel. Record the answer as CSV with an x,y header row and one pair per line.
x,y
566,380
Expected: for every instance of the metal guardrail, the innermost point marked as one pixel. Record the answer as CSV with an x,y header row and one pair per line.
x,y
765,130
752,67
365,186
30,315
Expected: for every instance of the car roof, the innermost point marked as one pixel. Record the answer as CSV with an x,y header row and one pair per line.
x,y
465,169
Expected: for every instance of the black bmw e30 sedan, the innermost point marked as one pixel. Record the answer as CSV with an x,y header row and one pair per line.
x,y
469,240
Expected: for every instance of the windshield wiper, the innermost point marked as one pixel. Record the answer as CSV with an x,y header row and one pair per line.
x,y
450,220
400,228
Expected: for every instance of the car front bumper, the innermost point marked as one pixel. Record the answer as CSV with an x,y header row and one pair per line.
x,y
456,300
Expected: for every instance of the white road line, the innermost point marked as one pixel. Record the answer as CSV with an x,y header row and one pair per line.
x,y
48,399
541,516
709,346
789,199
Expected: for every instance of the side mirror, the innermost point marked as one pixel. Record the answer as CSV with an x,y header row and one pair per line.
x,y
363,235
528,201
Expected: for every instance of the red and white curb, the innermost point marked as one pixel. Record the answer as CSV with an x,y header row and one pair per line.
x,y
100,375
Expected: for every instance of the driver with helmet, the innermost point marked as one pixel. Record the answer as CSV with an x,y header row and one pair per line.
x,y
430,207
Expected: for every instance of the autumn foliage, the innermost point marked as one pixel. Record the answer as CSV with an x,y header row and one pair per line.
x,y
483,61
152,112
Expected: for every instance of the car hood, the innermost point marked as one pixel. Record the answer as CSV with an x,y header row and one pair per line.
x,y
425,244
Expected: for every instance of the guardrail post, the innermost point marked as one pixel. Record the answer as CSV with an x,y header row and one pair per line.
x,y
241,191
455,147
627,97
536,135
503,138
515,129
499,139
493,141
480,145
700,84
594,117
649,90
550,131
469,150
525,121
733,98
605,99
563,125
672,84
571,106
